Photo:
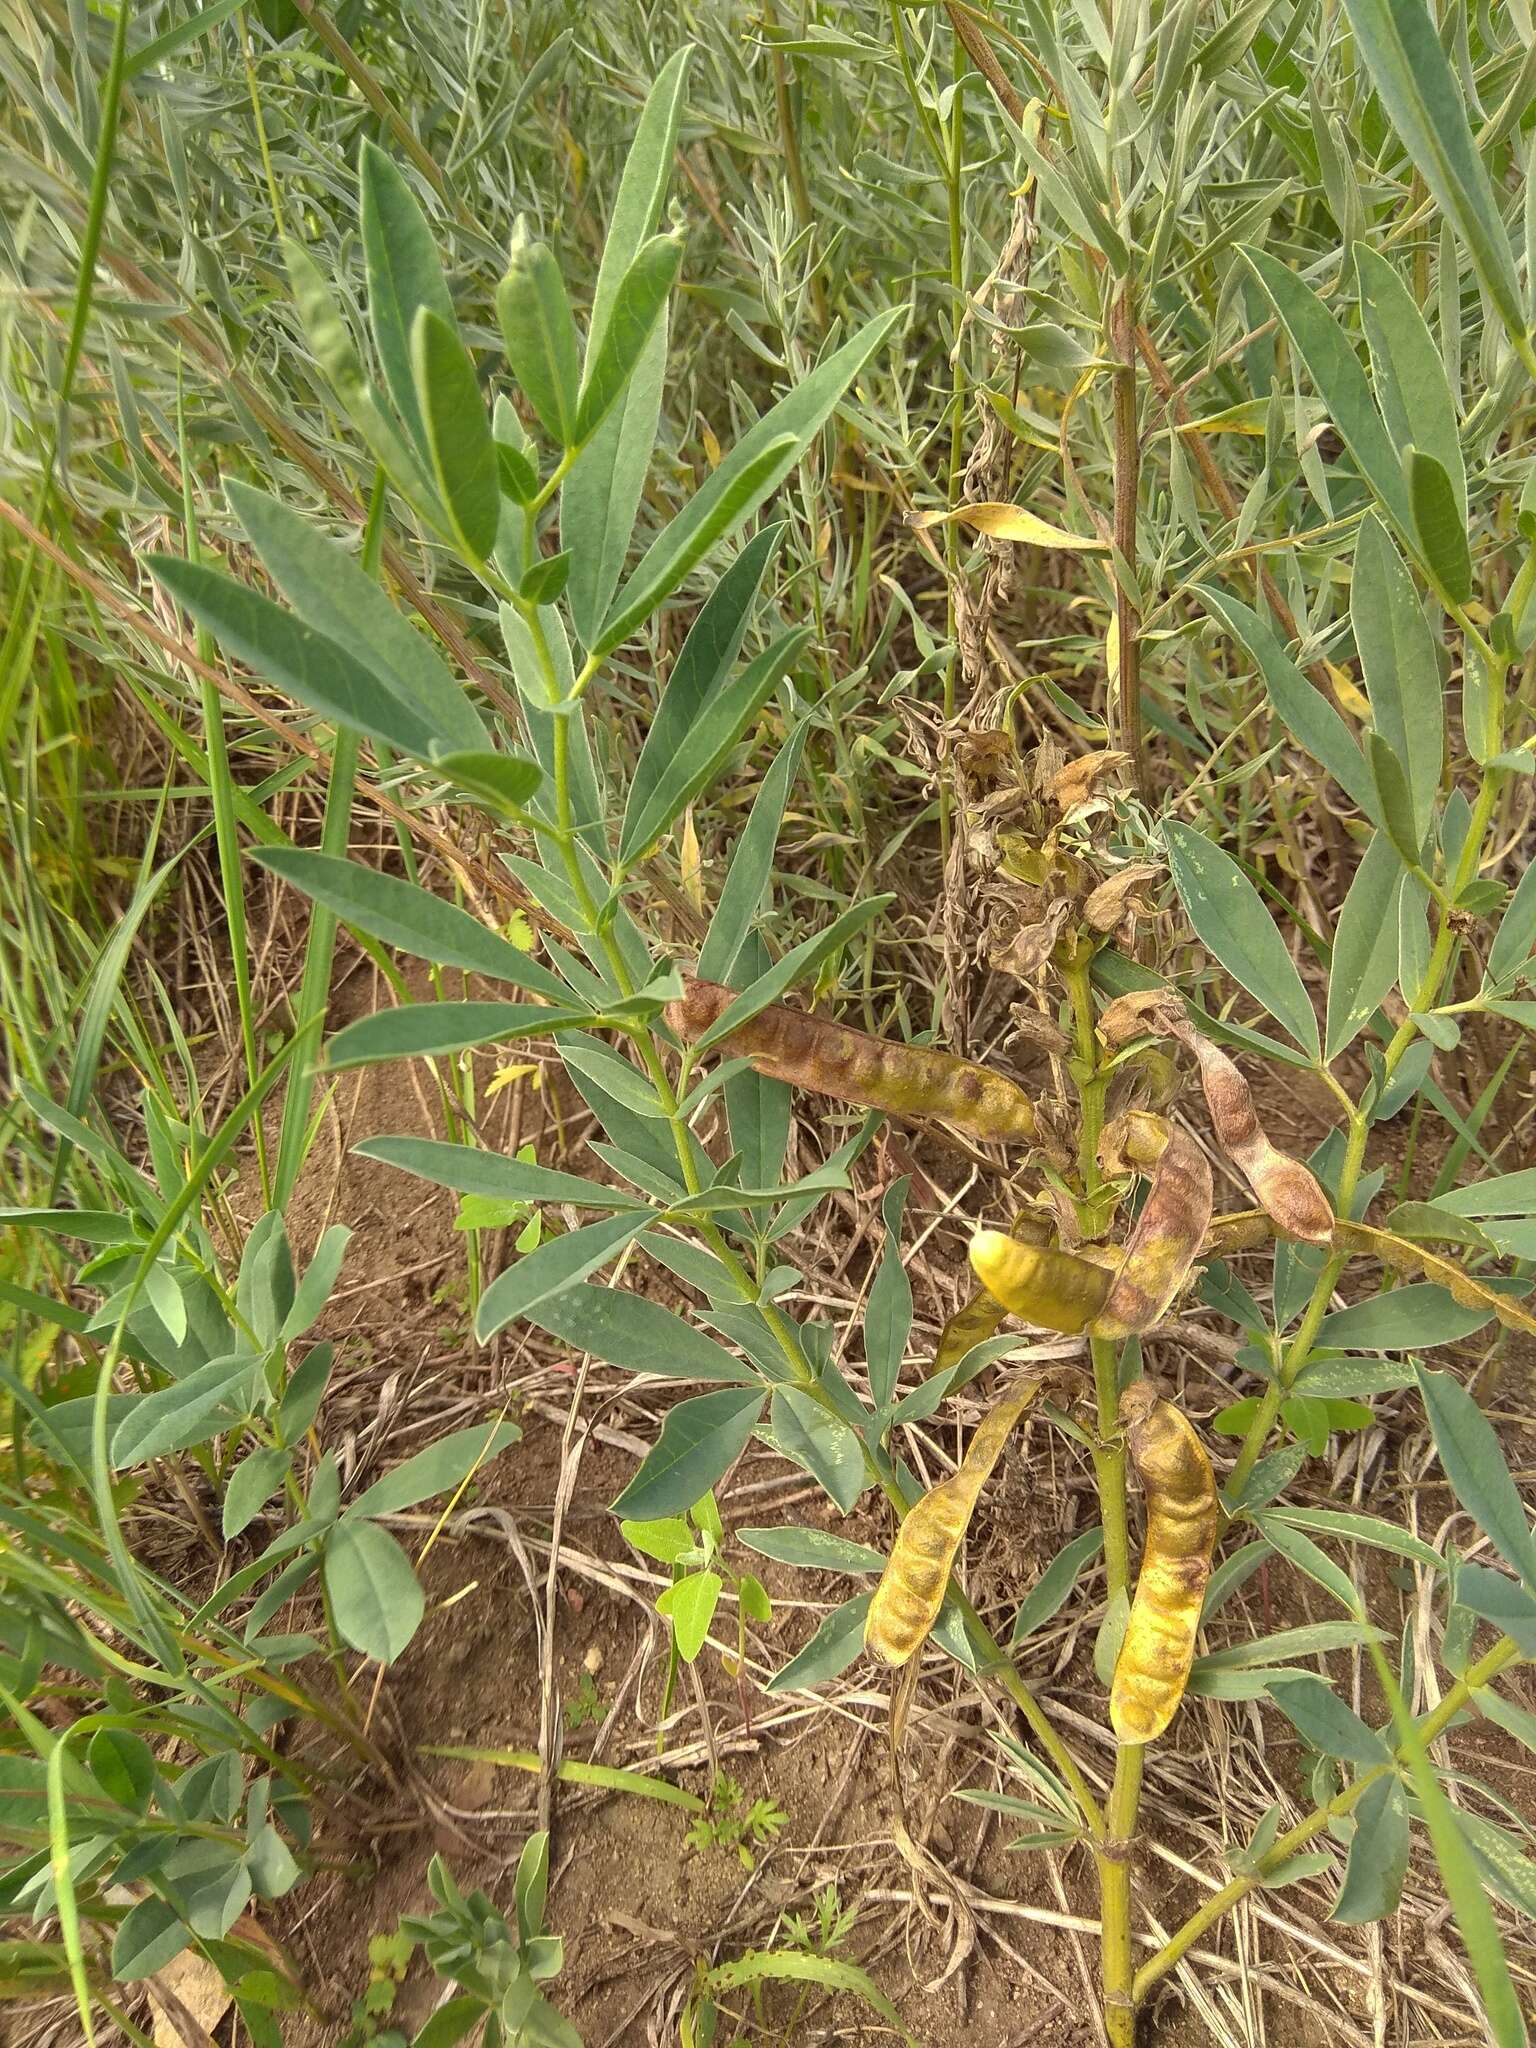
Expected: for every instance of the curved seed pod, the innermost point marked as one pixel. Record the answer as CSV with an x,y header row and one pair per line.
x,y
1284,1187
911,1589
879,1073
1152,1669
973,1322
1054,1290
1169,1231
1404,1256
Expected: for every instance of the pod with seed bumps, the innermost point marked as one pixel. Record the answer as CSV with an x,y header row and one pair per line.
x,y
878,1073
1054,1290
1153,1667
911,1589
1168,1234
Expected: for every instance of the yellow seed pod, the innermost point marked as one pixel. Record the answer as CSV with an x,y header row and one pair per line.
x,y
1054,1290
972,1323
881,1073
911,1589
1169,1231
1152,1669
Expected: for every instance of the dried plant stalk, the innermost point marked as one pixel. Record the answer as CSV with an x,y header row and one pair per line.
x,y
1170,1229
911,1589
1153,1667
1054,1290
878,1073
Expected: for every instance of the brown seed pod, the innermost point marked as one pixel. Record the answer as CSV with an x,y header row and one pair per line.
x,y
911,1589
1169,1231
879,1073
1054,1290
1284,1187
1153,1667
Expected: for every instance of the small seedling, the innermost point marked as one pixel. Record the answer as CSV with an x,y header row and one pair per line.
x,y
732,1823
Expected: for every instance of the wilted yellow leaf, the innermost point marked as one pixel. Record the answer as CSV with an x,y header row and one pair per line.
x,y
1012,522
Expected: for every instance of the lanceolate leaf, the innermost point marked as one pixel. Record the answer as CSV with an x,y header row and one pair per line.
x,y
634,1333
404,274
1378,1856
751,868
458,431
1229,917
557,1264
832,1649
440,1468
700,1440
1365,950
796,964
417,1029
402,915
469,1170
640,301
1304,712
310,666
1341,383
697,678
1474,1463
540,337
330,592
1439,524
1411,383
602,493
1401,45
1402,671
755,467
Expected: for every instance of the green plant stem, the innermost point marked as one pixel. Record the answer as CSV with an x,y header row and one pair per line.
x,y
1116,1966
1122,339
1428,1726
954,163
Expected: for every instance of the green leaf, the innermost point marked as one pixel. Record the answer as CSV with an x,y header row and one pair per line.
x,y
690,1605
1050,1592
1378,1856
310,666
831,1650
1294,1545
403,272
440,1468
1365,951
1402,669
508,782
1411,383
1310,1640
1473,1461
1498,1599
755,468
556,1265
700,1440
1341,382
471,1170
151,1935
331,592
800,961
888,1316
123,1765
665,1540
634,1333
333,349
813,1549
1515,938
751,868
1304,711
1439,524
1367,1529
1321,1717
1411,1318
1502,1194
678,550
540,336
189,1411
822,1444
458,432
373,1589
254,1481
1394,800
416,1030
1401,46
1229,918
602,493
637,307
400,914
694,727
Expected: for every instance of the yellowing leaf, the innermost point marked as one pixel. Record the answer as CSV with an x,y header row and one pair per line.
x,y
1012,522
505,1076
